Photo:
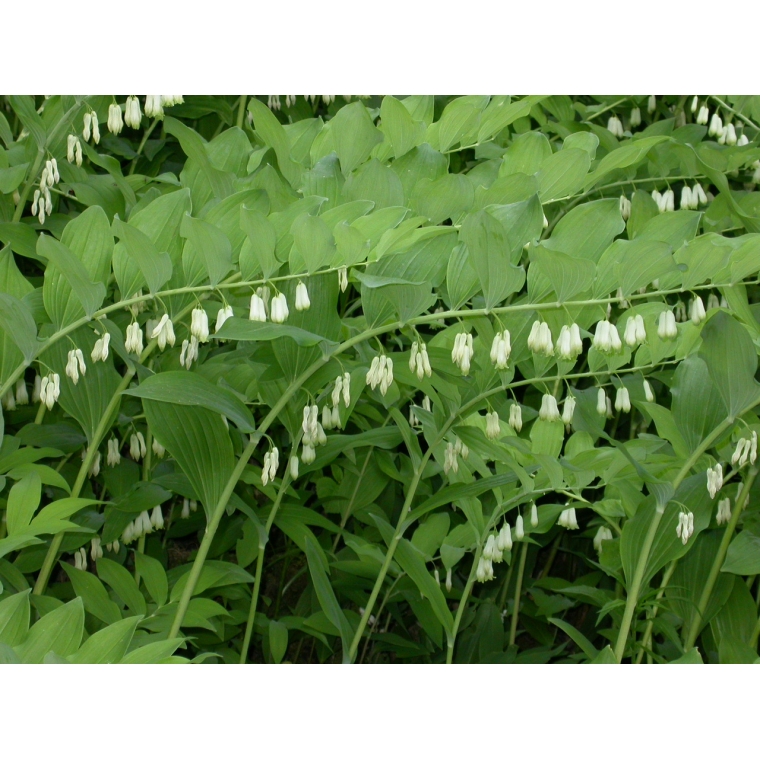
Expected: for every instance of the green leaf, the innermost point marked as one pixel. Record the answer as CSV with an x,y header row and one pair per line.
x,y
59,631
93,593
585,645
26,111
499,115
108,645
242,329
697,405
624,156
568,276
445,198
587,230
211,244
17,322
397,123
562,173
12,177
278,640
743,557
89,294
156,268
413,563
731,361
312,242
354,136
257,254
122,582
489,249
196,148
325,594
192,389
14,618
153,653
526,154
154,577
198,440
273,134
23,500
459,118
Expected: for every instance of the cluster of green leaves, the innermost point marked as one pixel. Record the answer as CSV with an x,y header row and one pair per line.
x,y
446,215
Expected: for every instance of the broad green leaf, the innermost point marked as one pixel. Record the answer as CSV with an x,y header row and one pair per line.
x,y
745,260
354,136
624,156
273,134
154,577
122,582
93,594
196,148
155,267
697,405
459,118
191,389
587,231
17,322
23,500
704,257
278,640
743,557
526,154
731,360
562,173
500,115
198,440
108,645
487,242
243,329
401,129
14,618
413,563
153,653
313,243
445,198
60,631
568,276
89,294
257,255
211,244
326,595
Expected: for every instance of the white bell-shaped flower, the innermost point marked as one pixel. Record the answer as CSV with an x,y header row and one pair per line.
x,y
222,316
549,410
622,400
302,297
115,122
515,417
279,309
568,409
132,113
199,324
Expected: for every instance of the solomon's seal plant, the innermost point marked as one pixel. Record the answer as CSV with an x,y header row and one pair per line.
x,y
361,379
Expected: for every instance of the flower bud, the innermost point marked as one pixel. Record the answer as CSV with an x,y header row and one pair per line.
x,y
603,534
100,351
302,297
568,409
625,207
601,402
157,518
515,417
279,309
648,391
519,529
635,119
257,311
222,316
724,511
622,400
199,324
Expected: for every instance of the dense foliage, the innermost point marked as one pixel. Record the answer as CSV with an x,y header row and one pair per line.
x,y
379,379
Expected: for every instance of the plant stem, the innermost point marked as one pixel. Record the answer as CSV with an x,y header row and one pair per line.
x,y
241,110
234,282
140,147
728,534
646,640
263,541
641,565
100,431
462,604
208,537
388,556
518,592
